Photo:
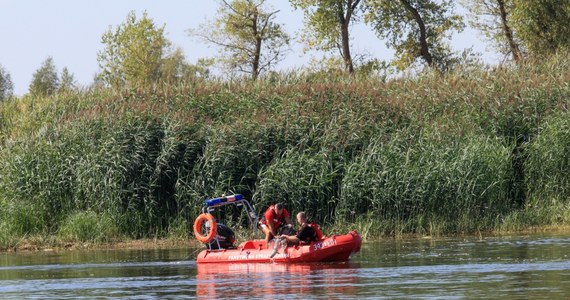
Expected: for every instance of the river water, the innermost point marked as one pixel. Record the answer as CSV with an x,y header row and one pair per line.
x,y
513,267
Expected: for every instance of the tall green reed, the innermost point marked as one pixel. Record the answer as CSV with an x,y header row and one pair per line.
x,y
423,182
427,154
548,163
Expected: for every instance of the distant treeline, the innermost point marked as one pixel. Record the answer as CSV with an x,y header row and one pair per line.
x,y
250,42
473,150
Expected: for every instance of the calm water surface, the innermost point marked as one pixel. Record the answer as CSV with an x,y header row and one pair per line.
x,y
517,267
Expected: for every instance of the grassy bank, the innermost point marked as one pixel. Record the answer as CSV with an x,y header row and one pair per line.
x,y
477,150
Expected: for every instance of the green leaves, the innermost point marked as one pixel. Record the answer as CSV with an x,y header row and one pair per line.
x,y
548,166
327,26
133,52
67,82
494,19
6,85
542,25
45,81
416,29
429,153
250,41
429,175
520,27
302,180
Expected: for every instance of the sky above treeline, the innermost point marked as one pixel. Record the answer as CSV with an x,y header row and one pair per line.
x,y
70,31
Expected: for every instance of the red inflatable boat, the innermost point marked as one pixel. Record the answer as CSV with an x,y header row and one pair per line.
x,y
331,248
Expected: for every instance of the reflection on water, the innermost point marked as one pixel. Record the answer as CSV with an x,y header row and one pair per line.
x,y
518,267
276,280
97,274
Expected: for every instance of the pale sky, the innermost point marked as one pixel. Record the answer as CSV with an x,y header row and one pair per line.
x,y
70,31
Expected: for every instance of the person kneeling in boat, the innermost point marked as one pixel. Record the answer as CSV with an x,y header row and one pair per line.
x,y
276,216
308,232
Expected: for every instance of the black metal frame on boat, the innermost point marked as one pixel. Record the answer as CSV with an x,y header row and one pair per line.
x,y
237,200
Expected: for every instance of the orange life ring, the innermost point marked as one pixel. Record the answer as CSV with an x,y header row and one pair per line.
x,y
198,226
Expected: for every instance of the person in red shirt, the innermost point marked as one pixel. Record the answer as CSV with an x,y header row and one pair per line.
x,y
276,216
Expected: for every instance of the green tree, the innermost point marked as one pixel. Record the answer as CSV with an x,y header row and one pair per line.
x,y
133,52
67,81
327,26
175,68
6,85
494,19
250,41
45,81
542,26
416,29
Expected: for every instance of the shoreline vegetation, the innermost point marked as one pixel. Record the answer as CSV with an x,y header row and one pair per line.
x,y
475,150
52,244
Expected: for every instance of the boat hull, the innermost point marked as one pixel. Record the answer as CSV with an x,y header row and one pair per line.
x,y
333,248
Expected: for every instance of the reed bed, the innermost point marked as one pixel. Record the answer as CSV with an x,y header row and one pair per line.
x,y
465,152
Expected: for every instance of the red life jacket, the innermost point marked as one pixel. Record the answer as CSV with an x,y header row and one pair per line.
x,y
317,230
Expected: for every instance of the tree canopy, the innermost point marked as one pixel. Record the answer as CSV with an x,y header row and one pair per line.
x,y
249,39
45,81
67,81
542,26
328,26
133,52
6,85
494,19
175,68
416,29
